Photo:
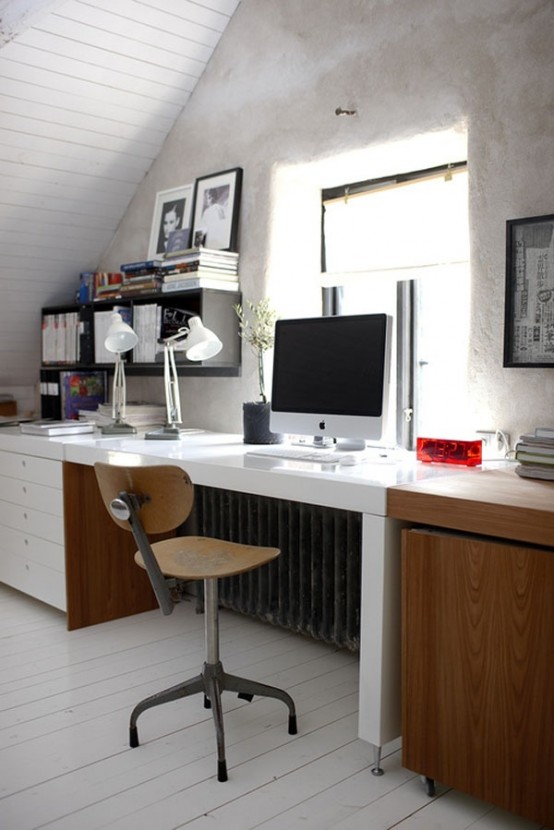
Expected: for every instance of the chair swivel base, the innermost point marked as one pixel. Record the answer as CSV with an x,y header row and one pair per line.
x,y
211,683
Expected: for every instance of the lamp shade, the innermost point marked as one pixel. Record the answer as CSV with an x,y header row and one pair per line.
x,y
120,337
201,343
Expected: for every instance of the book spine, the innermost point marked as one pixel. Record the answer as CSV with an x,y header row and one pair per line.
x,y
535,449
144,265
143,274
544,432
138,290
534,458
197,266
50,394
210,273
193,284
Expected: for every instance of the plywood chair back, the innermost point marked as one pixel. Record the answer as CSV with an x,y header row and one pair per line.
x,y
146,501
165,491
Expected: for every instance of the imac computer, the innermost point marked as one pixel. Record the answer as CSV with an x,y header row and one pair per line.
x,y
331,377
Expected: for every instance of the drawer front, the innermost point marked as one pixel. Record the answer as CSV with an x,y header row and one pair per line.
x,y
17,543
34,496
33,579
42,525
30,468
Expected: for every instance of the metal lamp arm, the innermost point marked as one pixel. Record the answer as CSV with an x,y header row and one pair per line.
x,y
171,379
179,335
202,345
119,391
171,385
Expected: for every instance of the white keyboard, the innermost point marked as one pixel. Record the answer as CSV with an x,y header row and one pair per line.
x,y
307,454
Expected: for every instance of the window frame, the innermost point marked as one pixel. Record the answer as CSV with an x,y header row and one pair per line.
x,y
406,298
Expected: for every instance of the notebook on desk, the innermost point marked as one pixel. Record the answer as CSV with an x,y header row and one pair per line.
x,y
48,428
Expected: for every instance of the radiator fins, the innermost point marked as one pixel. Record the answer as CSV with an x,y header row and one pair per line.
x,y
314,586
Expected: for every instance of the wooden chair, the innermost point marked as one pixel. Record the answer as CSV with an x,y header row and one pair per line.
x,y
156,500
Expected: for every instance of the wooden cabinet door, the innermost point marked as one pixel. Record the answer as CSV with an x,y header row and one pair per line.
x,y
102,580
478,668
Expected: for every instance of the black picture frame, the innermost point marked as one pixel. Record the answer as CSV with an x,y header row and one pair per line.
x,y
529,301
216,209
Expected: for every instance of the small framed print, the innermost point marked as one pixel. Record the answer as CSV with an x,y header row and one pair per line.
x,y
216,209
172,211
529,306
81,391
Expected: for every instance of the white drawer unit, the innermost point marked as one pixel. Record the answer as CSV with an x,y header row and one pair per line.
x,y
31,526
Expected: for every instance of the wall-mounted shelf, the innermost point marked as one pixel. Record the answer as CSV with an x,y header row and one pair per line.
x,y
72,336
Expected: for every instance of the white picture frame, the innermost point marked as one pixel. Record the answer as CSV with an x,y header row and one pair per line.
x,y
172,211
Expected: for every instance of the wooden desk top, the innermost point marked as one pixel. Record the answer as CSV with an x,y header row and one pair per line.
x,y
490,502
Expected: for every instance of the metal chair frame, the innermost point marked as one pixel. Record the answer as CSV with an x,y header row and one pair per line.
x,y
212,681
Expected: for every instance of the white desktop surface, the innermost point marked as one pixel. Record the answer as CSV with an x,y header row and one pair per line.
x,y
220,460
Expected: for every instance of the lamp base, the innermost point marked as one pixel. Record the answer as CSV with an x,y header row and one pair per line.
x,y
167,433
118,428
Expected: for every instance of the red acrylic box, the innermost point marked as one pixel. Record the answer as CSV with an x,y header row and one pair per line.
x,y
450,451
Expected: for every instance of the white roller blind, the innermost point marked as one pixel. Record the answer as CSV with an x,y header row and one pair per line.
x,y
399,231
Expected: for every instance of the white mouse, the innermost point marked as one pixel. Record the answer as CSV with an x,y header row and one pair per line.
x,y
349,460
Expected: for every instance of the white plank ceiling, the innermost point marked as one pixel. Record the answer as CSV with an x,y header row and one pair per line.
x,y
89,90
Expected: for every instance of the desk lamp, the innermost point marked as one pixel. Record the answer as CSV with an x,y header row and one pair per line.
x,y
198,343
120,338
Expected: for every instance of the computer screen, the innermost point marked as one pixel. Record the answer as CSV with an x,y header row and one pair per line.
x,y
331,376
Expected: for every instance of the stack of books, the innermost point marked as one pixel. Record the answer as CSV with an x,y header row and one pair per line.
x,y
60,337
137,414
200,268
64,427
107,285
141,277
147,323
535,454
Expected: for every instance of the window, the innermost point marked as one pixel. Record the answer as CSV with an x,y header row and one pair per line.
x,y
401,245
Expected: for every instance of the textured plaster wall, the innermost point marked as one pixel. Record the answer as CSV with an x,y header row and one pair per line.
x,y
431,80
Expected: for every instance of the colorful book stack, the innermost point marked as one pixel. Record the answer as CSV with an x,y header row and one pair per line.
x,y
107,285
535,454
141,277
200,268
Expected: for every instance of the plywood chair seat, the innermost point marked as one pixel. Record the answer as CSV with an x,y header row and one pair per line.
x,y
201,557
156,500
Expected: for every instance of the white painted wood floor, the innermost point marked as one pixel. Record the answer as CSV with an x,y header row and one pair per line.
x,y
65,699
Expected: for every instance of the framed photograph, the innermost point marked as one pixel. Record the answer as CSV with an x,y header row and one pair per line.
x,y
172,212
529,305
216,209
81,391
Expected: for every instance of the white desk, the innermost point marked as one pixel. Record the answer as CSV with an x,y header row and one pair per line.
x,y
218,460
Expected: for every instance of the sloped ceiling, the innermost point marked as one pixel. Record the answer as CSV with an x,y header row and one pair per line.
x,y
89,90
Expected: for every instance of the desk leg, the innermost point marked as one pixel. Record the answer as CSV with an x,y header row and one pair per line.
x,y
379,712
377,769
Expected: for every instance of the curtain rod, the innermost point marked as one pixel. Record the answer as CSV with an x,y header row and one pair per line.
x,y
384,183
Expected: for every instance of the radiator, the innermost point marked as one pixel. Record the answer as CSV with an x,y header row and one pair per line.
x,y
313,587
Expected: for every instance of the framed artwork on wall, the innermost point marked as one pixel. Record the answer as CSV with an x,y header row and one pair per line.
x,y
172,211
529,304
216,210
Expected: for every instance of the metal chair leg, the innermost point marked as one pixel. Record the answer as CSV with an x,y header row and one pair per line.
x,y
212,675
247,688
212,683
184,689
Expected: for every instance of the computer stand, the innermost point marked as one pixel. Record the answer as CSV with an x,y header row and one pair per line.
x,y
323,442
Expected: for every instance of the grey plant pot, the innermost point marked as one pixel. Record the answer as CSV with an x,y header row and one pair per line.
x,y
255,424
